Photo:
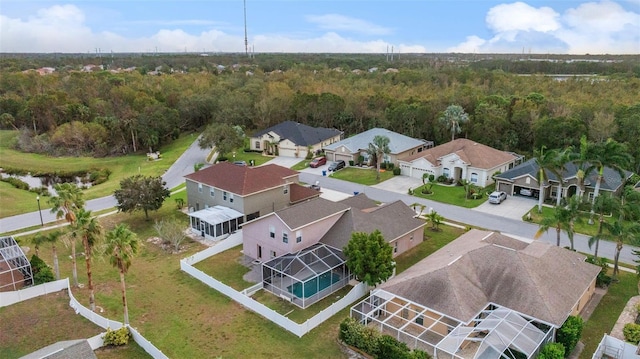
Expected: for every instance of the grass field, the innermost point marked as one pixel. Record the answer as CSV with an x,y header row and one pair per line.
x,y
451,194
16,201
364,176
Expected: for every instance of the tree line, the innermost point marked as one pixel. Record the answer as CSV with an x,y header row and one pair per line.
x,y
105,114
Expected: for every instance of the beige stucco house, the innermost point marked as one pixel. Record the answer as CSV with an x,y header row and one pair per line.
x,y
460,159
484,295
293,139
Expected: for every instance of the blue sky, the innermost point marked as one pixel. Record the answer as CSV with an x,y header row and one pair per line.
x,y
348,26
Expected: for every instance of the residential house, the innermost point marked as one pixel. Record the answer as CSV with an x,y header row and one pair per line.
x,y
67,349
484,295
225,195
614,348
293,139
522,179
400,146
460,159
300,247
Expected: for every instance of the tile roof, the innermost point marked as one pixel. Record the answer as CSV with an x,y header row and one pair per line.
x,y
482,267
473,153
243,180
611,181
301,134
397,143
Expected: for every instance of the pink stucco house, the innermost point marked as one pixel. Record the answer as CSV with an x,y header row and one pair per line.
x,y
300,247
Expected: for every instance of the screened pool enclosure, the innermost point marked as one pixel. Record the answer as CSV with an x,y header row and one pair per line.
x,y
307,276
15,269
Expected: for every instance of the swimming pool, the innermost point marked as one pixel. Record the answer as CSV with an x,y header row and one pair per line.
x,y
313,285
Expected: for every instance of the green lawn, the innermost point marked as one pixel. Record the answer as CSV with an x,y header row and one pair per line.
x,y
452,195
583,227
227,268
301,165
240,155
121,167
364,176
606,314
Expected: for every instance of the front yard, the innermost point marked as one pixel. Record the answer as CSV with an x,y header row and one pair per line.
x,y
454,195
363,176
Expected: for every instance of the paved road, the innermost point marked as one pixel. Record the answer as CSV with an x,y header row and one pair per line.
x,y
173,176
473,217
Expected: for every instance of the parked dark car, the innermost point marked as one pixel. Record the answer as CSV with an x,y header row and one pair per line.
x,y
334,166
317,162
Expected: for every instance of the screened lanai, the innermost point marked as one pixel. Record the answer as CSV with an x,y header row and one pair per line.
x,y
215,222
496,332
15,269
307,276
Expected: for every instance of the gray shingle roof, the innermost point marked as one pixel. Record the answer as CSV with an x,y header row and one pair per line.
x,y
68,349
397,143
611,182
309,211
301,134
480,267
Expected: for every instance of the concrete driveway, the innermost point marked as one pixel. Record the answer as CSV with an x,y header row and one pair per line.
x,y
399,184
513,207
284,161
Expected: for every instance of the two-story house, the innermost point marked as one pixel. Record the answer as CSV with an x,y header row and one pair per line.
x,y
225,195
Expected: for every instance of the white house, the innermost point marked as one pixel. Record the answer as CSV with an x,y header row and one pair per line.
x,y
460,159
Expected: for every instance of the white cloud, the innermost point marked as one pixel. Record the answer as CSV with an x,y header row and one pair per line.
x,y
591,27
335,22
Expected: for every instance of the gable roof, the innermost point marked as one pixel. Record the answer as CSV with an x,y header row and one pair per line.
x,y
392,220
473,153
301,134
611,181
243,180
299,193
308,212
68,349
397,143
461,278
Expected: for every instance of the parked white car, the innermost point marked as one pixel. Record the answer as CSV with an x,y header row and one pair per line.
x,y
526,192
497,197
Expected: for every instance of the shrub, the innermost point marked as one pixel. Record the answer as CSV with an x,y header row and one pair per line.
x,y
390,348
383,166
360,160
442,178
552,351
603,280
396,171
41,271
631,333
431,178
390,166
16,182
309,154
351,163
376,344
569,334
117,337
98,176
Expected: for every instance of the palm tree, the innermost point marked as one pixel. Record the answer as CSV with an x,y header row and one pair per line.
x,y
574,216
436,219
603,205
53,237
558,168
621,234
452,117
547,161
558,220
581,160
38,240
378,148
610,154
90,230
121,247
64,205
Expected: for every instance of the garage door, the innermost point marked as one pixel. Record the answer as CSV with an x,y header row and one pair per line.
x,y
345,158
405,170
505,187
287,152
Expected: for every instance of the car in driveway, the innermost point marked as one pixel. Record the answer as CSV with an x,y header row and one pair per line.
x,y
497,197
334,166
317,162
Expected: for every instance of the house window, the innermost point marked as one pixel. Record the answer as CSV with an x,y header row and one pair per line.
x,y
273,254
272,232
445,172
411,238
257,145
212,192
285,237
474,177
395,247
590,196
298,236
224,195
231,197
200,187
286,189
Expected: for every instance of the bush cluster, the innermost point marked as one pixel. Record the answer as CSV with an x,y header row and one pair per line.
x,y
569,333
376,344
16,182
117,337
603,280
41,271
631,333
552,351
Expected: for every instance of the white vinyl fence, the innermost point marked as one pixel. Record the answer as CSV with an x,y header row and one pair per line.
x,y
8,298
243,298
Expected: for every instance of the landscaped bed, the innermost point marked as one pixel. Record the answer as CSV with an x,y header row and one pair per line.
x,y
451,194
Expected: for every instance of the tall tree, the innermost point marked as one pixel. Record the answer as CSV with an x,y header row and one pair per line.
x,y
38,240
53,237
89,229
369,257
67,201
378,148
547,162
121,247
611,154
452,118
224,137
604,205
558,220
141,193
621,234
